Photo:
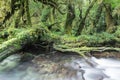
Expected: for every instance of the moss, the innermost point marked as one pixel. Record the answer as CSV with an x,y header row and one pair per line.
x,y
45,14
4,8
117,33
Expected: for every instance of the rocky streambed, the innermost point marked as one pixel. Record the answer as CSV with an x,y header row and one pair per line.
x,y
59,66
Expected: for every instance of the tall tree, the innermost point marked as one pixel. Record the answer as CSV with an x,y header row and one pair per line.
x,y
70,17
98,14
109,18
82,23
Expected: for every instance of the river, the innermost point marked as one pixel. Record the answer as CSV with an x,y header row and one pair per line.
x,y
63,67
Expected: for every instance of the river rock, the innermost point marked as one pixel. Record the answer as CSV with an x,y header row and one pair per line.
x,y
10,62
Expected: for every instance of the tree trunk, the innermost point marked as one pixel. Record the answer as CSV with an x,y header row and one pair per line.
x,y
15,44
70,18
98,14
82,23
64,44
17,15
110,28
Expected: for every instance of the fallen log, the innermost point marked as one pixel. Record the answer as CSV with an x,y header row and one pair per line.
x,y
83,50
60,43
15,44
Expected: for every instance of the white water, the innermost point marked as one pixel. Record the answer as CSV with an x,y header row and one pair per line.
x,y
110,67
102,69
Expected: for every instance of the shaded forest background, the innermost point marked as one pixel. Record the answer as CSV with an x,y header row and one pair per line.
x,y
66,25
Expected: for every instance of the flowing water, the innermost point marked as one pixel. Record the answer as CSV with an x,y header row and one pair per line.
x,y
64,67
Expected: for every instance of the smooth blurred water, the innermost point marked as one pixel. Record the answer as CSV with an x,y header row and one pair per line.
x,y
111,67
76,69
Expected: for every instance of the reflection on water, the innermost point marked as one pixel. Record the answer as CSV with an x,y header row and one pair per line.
x,y
73,69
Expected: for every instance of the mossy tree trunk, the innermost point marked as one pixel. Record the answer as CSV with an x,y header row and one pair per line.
x,y
23,38
18,14
98,15
110,24
70,17
82,22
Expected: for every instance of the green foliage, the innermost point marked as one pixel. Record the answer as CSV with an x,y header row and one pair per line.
x,y
35,8
4,8
117,33
45,14
114,3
